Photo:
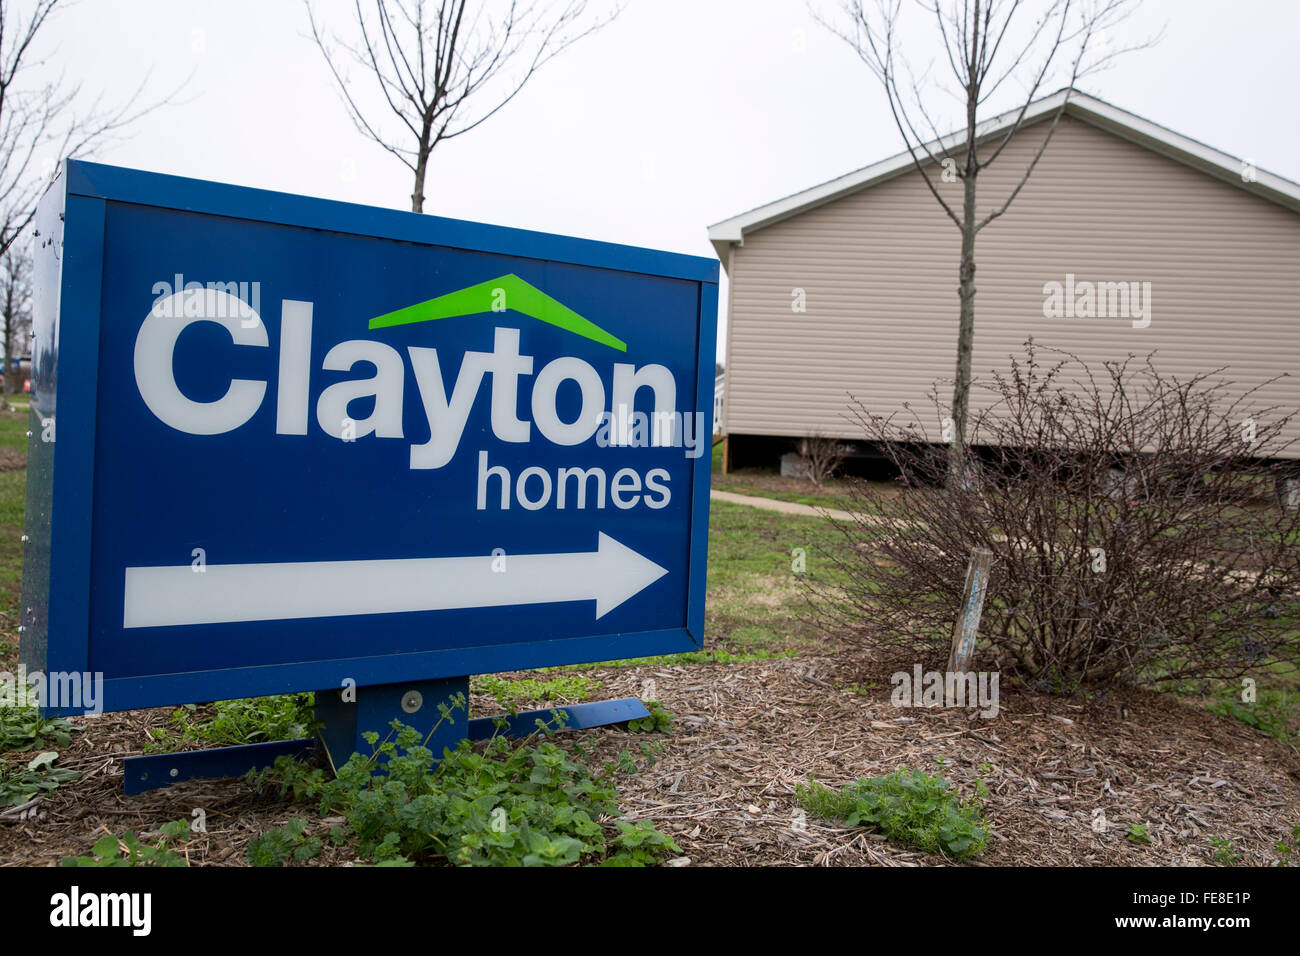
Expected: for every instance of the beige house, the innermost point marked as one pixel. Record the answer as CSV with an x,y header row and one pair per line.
x,y
851,287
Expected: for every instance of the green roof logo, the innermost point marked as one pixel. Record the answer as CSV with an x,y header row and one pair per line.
x,y
509,292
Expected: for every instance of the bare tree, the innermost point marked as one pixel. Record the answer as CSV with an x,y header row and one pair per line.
x,y
15,308
988,44
445,68
42,123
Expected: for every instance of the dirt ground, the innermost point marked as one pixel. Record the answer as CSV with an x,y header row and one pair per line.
x,y
746,734
11,460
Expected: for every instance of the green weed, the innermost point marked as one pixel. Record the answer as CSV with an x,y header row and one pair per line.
x,y
660,720
1286,847
909,807
127,850
289,842
1225,854
1138,833
19,783
246,721
499,803
23,728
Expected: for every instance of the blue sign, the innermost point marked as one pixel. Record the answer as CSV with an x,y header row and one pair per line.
x,y
279,444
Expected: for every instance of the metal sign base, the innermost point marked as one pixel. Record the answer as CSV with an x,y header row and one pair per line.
x,y
154,771
414,704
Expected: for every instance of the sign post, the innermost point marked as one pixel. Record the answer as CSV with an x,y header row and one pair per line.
x,y
283,444
967,626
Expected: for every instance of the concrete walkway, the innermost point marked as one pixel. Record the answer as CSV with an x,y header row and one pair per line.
x,y
785,507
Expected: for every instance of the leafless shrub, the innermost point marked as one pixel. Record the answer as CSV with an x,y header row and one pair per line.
x,y
823,456
1183,567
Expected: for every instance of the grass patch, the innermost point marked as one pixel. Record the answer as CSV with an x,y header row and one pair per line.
x,y
686,658
756,560
1274,711
13,494
509,694
833,494
13,430
909,807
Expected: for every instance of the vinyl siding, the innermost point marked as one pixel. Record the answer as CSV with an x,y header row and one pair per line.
x,y
879,272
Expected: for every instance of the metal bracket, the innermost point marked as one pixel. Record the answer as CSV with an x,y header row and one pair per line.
x,y
598,713
152,771
413,703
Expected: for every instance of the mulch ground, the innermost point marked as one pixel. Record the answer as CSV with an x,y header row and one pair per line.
x,y
747,734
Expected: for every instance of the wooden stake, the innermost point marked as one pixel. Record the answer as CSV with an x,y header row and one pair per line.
x,y
972,606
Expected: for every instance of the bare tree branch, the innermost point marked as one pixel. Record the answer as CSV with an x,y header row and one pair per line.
x,y
878,55
434,67
986,46
45,120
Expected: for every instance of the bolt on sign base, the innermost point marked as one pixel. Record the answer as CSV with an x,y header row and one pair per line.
x,y
415,704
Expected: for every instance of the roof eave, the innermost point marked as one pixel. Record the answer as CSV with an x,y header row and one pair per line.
x,y
729,232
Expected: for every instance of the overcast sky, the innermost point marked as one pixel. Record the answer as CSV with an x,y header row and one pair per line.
x,y
679,114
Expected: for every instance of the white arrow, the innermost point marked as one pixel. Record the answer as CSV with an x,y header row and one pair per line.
x,y
223,593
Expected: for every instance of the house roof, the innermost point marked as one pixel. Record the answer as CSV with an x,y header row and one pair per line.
x,y
1087,108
